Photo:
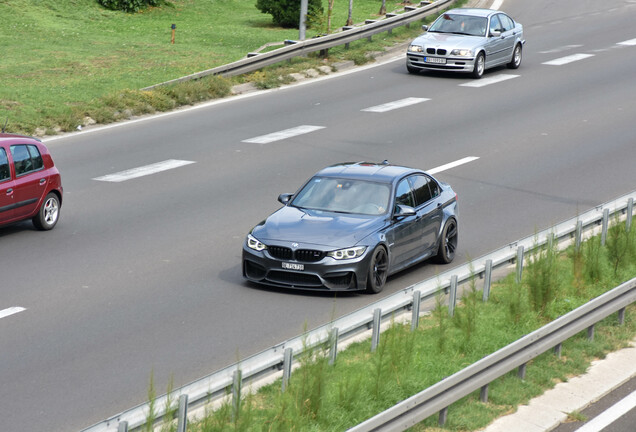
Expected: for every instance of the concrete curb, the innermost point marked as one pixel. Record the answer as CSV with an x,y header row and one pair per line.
x,y
546,412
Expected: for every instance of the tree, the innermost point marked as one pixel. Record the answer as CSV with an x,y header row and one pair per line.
x,y
286,13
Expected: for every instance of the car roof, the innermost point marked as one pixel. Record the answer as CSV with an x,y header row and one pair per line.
x,y
382,172
16,138
472,12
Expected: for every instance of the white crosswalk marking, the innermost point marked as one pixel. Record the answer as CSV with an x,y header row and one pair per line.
x,y
284,134
568,59
143,171
395,105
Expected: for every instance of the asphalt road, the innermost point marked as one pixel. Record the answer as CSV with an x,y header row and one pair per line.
x,y
143,276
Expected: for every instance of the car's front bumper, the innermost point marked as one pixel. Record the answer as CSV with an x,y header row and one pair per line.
x,y
327,274
454,64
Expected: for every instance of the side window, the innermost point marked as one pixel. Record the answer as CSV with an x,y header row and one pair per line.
x,y
506,22
26,159
420,189
403,194
495,24
36,157
5,174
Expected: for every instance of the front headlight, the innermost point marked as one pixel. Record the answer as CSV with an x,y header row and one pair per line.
x,y
415,48
462,53
349,253
252,243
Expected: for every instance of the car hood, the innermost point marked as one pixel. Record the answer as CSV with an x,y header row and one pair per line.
x,y
315,227
448,41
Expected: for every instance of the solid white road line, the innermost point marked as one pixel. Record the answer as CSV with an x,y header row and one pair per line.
x,y
395,105
143,171
568,59
630,42
10,311
488,81
284,134
452,164
610,415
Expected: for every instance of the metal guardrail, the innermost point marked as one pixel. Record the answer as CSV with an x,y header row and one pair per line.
x,y
437,398
270,362
300,48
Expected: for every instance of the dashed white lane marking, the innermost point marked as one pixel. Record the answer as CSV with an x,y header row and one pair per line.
x,y
452,164
610,415
488,81
284,134
395,105
568,59
560,49
143,171
630,42
11,311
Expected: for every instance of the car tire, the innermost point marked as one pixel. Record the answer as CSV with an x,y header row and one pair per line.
x,y
516,57
448,243
412,70
378,270
480,66
48,214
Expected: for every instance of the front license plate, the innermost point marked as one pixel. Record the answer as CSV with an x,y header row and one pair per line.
x,y
435,60
293,266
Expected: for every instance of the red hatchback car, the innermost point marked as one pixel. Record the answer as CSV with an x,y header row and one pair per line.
x,y
30,185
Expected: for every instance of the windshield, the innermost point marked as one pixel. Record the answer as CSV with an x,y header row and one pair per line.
x,y
460,24
344,196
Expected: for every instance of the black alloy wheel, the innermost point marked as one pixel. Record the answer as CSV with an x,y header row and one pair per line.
x,y
448,243
378,270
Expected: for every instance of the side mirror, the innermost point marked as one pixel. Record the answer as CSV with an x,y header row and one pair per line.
x,y
284,198
403,211
425,27
495,33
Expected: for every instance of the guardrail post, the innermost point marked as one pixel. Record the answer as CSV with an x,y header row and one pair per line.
x,y
628,216
375,336
287,366
333,351
519,263
590,333
487,280
605,225
557,350
415,317
236,393
621,316
452,296
483,394
443,414
182,419
122,426
578,235
521,373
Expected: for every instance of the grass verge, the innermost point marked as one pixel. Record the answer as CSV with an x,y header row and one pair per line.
x,y
71,63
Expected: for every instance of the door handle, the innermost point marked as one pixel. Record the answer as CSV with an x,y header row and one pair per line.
x,y
42,181
9,191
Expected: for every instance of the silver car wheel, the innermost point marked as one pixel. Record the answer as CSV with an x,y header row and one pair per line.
x,y
480,65
47,216
516,58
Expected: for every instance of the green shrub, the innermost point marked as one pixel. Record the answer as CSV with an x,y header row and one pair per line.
x,y
129,5
286,13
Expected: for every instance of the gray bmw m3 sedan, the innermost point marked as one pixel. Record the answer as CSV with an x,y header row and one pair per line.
x,y
350,226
